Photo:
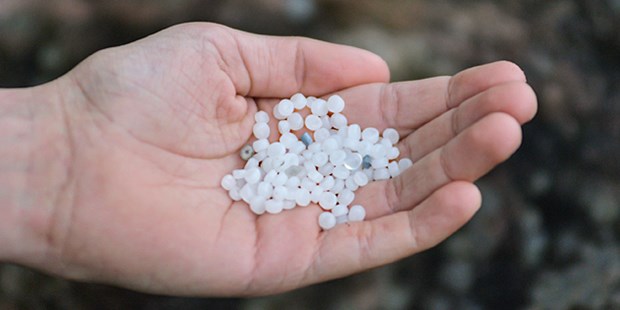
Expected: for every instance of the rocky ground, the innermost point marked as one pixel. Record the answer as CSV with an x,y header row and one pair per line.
x,y
547,236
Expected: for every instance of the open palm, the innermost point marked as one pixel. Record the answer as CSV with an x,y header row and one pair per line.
x,y
154,125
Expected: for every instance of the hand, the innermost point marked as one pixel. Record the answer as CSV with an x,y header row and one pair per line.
x,y
154,125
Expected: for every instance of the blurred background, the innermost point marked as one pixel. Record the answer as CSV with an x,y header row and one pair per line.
x,y
547,236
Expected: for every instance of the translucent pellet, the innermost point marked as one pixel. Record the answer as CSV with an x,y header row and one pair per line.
x,y
313,122
261,117
335,104
356,213
353,161
295,121
370,134
327,220
261,130
338,121
284,126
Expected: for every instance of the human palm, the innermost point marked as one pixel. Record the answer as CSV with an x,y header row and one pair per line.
x,y
154,126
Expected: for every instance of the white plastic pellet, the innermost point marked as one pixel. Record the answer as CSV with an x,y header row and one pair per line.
x,y
404,164
335,104
338,186
329,145
292,182
251,163
371,135
260,145
284,126
354,132
326,169
350,143
381,174
350,183
270,176
273,206
393,153
328,200
260,156
340,210
276,149
261,117
257,205
288,140
378,151
280,179
280,192
360,178
321,134
306,183
276,112
313,122
315,194
295,121
298,147
392,135
341,219
346,197
315,147
364,148
379,162
340,172
228,182
252,175
319,107
285,107
338,121
233,193
327,183
261,130
319,159
393,169
315,176
338,157
327,220
356,213
302,197
299,101
288,204
247,192
239,173
264,189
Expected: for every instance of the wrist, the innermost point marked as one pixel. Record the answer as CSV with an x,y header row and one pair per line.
x,y
33,171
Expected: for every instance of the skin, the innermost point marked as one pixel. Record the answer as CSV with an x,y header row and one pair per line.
x,y
113,171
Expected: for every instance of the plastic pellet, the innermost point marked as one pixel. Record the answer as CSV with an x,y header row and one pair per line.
x,y
264,189
381,174
321,134
276,149
228,182
340,172
313,122
253,175
327,220
238,173
257,205
328,200
260,145
370,134
284,126
296,121
246,152
338,157
404,164
319,159
335,104
356,213
353,161
338,121
279,192
261,117
273,206
299,101
360,178
302,197
293,171
393,169
306,139
319,107
392,135
261,130
340,210
346,197
286,107
366,162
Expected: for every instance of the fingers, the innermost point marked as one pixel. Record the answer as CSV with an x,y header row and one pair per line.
x,y
514,98
406,106
270,66
359,246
